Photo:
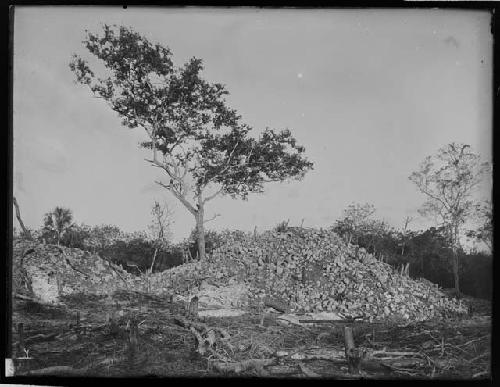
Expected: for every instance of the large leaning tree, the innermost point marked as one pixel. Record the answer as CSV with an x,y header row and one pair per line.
x,y
449,180
195,138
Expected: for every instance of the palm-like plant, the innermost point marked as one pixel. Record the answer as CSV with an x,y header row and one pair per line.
x,y
58,221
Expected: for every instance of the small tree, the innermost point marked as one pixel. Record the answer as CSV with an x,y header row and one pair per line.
x,y
404,234
356,219
449,179
374,235
160,228
484,233
57,222
195,138
76,236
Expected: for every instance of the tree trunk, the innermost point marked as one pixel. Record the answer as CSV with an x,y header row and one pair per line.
x,y
18,216
200,229
456,267
154,258
455,271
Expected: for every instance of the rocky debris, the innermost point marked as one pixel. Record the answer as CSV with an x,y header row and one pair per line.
x,y
312,271
218,301
298,271
47,272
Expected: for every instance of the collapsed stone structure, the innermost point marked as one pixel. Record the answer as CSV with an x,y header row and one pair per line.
x,y
47,272
307,270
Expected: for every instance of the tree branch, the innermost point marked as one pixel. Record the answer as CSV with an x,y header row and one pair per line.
x,y
179,196
432,196
212,218
208,198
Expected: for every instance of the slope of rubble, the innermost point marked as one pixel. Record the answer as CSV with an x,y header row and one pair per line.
x,y
310,271
47,272
307,270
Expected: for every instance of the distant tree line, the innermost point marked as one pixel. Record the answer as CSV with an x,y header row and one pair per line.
x,y
136,252
429,253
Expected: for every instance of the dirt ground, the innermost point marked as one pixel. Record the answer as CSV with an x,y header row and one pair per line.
x,y
89,336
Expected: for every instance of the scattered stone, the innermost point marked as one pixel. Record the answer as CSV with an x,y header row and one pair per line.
x,y
307,270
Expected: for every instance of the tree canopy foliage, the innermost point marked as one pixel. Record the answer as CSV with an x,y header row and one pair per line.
x,y
484,233
56,223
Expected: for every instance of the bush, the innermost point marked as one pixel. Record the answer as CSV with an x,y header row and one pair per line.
x,y
476,275
282,226
135,255
170,258
76,236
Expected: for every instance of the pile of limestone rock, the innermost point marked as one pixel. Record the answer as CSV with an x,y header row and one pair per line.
x,y
304,270
310,270
45,272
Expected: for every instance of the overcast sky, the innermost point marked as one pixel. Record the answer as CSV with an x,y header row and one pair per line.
x,y
369,93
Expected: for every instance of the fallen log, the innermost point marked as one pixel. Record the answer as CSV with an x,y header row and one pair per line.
x,y
286,319
282,370
40,337
334,355
58,371
309,373
375,366
243,366
392,354
378,361
357,319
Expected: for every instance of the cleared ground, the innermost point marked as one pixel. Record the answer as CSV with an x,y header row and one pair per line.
x,y
98,344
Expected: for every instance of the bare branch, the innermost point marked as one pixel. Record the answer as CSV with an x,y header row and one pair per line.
x,y
208,198
432,196
156,163
212,218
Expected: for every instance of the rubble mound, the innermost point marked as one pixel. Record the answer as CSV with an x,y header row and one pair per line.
x,y
47,272
299,270
311,270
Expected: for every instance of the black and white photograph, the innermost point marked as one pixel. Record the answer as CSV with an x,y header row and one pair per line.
x,y
244,192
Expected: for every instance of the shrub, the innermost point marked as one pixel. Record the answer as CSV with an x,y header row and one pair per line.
x,y
76,236
282,226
